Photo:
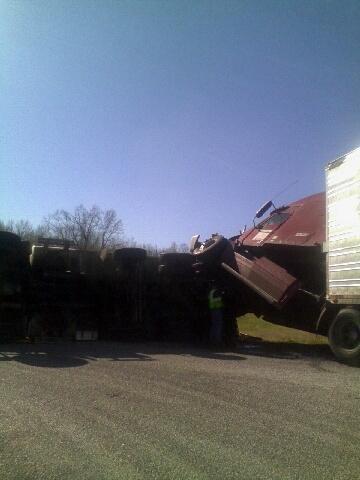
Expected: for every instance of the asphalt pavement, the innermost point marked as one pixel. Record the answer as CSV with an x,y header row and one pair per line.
x,y
154,411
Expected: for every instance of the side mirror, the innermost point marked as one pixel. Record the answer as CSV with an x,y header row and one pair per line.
x,y
264,209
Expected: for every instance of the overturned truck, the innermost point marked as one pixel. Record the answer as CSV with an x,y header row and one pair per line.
x,y
300,266
55,290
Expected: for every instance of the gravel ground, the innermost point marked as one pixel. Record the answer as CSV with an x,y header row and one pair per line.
x,y
147,411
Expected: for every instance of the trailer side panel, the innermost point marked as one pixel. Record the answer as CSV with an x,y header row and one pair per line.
x,y
343,228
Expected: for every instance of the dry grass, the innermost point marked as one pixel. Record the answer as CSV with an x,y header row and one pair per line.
x,y
251,325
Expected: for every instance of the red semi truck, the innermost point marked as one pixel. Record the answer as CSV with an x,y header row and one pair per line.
x,y
301,265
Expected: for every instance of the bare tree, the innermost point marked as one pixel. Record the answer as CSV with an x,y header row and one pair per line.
x,y
3,226
151,249
110,229
176,248
183,248
86,228
173,248
24,229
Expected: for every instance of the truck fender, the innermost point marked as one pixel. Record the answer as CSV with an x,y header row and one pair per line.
x,y
327,314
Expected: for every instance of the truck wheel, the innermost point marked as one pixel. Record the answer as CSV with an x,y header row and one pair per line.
x,y
344,336
211,248
9,240
177,263
129,253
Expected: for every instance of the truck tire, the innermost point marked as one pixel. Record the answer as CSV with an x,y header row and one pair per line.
x,y
176,262
129,253
344,336
211,248
173,258
9,240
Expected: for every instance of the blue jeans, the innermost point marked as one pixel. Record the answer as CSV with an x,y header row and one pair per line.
x,y
216,327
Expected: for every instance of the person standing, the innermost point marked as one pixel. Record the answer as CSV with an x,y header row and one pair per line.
x,y
216,305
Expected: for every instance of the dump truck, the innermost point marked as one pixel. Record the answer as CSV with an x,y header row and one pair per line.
x,y
300,267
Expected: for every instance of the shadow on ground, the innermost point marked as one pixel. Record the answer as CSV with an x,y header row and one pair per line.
x,y
285,350
71,354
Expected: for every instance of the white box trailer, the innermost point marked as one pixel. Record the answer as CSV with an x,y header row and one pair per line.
x,y
343,255
343,228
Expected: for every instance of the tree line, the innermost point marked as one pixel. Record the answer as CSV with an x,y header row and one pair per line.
x,y
86,228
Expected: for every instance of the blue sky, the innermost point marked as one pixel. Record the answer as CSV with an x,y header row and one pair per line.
x,y
184,116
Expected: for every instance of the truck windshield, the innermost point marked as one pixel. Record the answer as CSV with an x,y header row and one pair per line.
x,y
275,219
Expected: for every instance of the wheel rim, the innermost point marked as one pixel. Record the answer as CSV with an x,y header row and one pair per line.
x,y
204,246
349,335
